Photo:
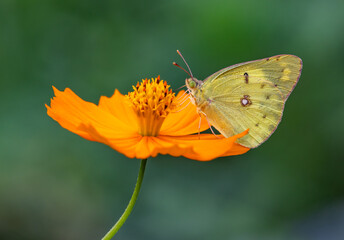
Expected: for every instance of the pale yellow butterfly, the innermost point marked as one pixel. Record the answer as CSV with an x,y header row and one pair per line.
x,y
248,95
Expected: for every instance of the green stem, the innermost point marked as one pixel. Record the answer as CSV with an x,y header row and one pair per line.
x,y
131,204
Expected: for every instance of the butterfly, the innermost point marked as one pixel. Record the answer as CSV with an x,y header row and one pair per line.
x,y
249,95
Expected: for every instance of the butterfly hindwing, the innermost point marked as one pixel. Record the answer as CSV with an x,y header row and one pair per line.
x,y
246,108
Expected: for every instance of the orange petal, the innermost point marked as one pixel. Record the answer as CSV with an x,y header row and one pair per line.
x,y
136,146
208,147
119,106
125,145
184,122
71,112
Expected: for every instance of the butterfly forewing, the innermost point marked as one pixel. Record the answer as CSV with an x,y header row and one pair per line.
x,y
250,95
282,70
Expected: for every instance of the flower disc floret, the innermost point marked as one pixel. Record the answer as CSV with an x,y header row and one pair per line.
x,y
152,100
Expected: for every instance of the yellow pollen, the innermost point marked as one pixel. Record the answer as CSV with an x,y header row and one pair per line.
x,y
152,101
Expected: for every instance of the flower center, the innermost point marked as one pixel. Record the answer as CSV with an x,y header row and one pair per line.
x,y
152,102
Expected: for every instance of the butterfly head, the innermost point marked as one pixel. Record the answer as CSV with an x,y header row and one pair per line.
x,y
192,83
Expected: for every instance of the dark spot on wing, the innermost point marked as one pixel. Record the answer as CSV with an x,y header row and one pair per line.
x,y
275,85
257,124
267,97
267,59
262,86
246,77
245,101
264,116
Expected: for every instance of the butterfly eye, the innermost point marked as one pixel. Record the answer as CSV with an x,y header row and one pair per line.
x,y
192,84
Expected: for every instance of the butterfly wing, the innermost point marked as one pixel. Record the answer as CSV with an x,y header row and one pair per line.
x,y
282,70
250,95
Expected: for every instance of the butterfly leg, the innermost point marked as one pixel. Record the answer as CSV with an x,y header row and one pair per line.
x,y
199,126
183,97
211,129
206,117
182,108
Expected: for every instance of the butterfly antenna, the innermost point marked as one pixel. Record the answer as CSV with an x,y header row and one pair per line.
x,y
177,65
181,87
191,75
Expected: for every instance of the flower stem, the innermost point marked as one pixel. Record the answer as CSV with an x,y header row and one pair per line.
x,y
131,204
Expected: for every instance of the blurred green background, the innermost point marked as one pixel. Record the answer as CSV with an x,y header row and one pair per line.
x,y
56,185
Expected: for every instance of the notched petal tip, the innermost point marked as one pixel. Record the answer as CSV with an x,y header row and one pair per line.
x,y
70,111
240,135
57,92
54,89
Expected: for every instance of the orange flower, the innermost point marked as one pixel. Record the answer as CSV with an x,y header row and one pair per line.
x,y
142,124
